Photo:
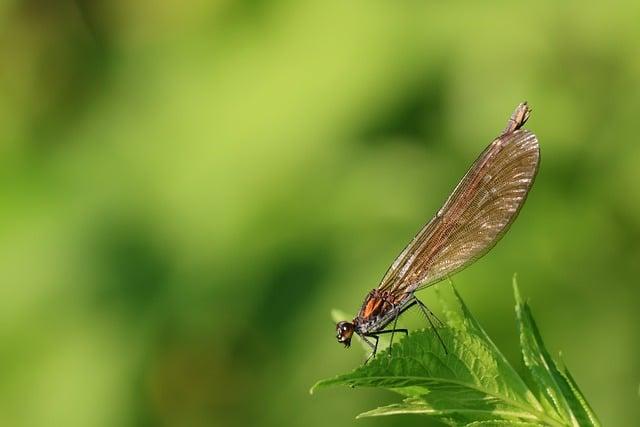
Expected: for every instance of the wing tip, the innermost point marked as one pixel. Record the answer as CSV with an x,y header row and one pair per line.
x,y
518,118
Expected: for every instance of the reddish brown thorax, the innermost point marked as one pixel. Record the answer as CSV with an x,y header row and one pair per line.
x,y
372,307
377,303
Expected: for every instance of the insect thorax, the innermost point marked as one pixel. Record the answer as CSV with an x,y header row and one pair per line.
x,y
378,311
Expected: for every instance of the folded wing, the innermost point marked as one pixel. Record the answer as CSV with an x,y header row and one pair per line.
x,y
475,216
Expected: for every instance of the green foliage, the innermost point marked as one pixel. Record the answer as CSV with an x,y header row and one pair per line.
x,y
472,383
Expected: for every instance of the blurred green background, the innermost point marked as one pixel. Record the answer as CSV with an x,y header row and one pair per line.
x,y
188,189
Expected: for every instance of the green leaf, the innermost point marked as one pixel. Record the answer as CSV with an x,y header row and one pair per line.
x,y
471,382
556,388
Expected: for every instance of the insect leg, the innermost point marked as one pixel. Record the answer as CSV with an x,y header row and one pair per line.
x,y
426,310
395,323
377,336
392,332
428,315
374,347
389,331
369,343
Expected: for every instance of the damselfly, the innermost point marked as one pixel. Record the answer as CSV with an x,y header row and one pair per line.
x,y
474,217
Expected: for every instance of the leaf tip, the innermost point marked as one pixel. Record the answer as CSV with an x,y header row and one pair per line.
x,y
455,291
338,315
368,414
316,386
516,289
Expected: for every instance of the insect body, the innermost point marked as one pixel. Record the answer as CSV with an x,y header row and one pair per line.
x,y
472,220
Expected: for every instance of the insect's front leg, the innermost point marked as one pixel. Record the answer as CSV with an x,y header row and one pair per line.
x,y
374,346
